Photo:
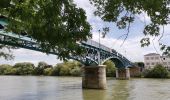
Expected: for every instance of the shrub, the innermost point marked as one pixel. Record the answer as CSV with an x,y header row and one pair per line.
x,y
5,69
75,72
157,72
110,68
67,68
42,65
64,71
47,71
39,70
56,70
24,68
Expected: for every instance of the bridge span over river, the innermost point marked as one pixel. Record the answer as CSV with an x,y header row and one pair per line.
x,y
94,75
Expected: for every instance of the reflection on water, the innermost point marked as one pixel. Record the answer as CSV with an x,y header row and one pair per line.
x,y
93,95
69,88
119,90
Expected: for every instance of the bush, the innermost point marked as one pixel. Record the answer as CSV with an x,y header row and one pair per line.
x,y
157,72
39,70
5,69
64,71
67,69
42,65
47,71
75,72
56,70
110,68
24,68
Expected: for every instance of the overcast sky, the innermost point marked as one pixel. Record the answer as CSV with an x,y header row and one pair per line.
x,y
131,48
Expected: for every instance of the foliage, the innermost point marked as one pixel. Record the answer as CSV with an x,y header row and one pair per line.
x,y
42,64
64,71
110,68
5,52
124,12
56,70
67,68
47,71
75,72
39,70
71,68
24,68
57,25
5,69
157,72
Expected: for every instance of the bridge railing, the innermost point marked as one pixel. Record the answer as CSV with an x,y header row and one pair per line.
x,y
96,44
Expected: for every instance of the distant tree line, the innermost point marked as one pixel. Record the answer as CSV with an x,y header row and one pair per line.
x,y
71,68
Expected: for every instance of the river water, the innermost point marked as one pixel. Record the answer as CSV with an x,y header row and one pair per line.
x,y
69,88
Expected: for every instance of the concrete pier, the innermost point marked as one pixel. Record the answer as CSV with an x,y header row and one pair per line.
x,y
94,77
123,73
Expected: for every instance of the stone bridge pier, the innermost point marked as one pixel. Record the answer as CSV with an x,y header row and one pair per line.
x,y
123,73
126,73
94,77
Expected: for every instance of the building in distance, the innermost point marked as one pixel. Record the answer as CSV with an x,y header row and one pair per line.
x,y
152,59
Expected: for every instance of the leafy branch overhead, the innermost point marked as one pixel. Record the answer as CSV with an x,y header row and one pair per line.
x,y
58,25
55,24
123,12
5,52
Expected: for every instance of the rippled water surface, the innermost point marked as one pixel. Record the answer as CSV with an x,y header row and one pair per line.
x,y
69,88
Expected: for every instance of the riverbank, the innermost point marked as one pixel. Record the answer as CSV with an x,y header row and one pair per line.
x,y
73,69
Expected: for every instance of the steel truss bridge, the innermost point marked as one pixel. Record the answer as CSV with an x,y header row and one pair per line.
x,y
95,54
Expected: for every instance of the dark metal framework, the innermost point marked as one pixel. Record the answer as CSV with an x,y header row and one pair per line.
x,y
90,57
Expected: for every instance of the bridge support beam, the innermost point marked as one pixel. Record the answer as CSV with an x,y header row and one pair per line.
x,y
123,73
94,77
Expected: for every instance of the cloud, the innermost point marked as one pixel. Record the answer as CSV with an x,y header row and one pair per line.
x,y
24,55
165,33
143,17
89,9
131,48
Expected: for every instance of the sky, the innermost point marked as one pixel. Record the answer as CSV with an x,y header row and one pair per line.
x,y
130,49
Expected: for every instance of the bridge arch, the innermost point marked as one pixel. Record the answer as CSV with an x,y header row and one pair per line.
x,y
117,61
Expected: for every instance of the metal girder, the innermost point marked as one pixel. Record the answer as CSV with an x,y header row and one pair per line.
x,y
94,55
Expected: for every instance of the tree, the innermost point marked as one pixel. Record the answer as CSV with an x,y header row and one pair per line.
x,y
56,25
47,71
42,65
72,64
39,70
56,70
67,68
24,68
76,71
64,71
110,68
4,69
123,12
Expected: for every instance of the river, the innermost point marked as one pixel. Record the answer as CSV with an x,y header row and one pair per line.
x,y
69,88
